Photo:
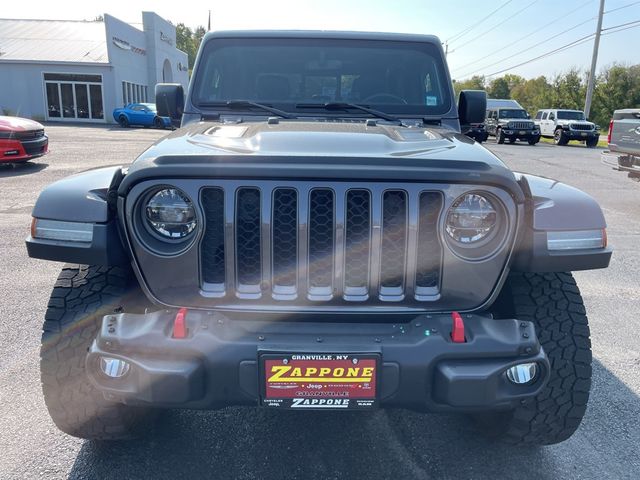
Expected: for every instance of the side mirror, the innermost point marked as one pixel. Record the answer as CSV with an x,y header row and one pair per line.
x,y
170,101
472,106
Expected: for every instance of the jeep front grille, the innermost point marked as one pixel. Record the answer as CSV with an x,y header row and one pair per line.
x,y
581,126
321,243
520,125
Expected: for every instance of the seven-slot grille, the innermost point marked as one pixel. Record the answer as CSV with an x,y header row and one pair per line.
x,y
581,126
521,125
321,243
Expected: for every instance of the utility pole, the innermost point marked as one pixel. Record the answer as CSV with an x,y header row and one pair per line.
x,y
594,60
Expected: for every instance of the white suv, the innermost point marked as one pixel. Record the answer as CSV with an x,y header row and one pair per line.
x,y
565,125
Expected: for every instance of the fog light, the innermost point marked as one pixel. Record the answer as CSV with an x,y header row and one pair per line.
x,y
523,373
114,367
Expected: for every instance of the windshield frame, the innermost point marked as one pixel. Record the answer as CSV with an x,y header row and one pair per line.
x,y
406,111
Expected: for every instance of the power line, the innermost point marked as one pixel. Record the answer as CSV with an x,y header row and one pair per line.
x,y
575,43
495,26
461,34
515,42
622,7
478,70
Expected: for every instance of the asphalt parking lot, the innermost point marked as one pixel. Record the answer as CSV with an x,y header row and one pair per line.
x,y
254,443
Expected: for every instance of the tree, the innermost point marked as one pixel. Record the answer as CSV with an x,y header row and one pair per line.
x,y
617,87
189,41
499,88
476,82
532,94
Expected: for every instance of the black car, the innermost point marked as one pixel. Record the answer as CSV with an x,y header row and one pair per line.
x,y
511,124
478,132
318,235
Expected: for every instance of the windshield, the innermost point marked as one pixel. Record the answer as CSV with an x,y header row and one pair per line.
x,y
513,113
570,115
395,77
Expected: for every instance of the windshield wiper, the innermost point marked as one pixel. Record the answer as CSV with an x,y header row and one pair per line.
x,y
352,106
238,104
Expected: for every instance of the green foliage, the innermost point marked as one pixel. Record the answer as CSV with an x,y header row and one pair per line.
x,y
474,83
499,88
617,86
188,41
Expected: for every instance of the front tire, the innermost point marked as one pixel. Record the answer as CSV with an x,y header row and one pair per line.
x,y
592,142
123,121
559,137
499,136
81,296
552,301
157,122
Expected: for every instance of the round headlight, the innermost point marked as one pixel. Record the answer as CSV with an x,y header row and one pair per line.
x,y
170,214
472,218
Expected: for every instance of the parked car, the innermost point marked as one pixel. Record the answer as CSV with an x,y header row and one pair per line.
x,y
624,141
565,125
349,253
21,140
511,123
478,132
144,114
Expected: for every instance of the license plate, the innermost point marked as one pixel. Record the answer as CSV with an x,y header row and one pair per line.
x,y
522,132
319,380
584,134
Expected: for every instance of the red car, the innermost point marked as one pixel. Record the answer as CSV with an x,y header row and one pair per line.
x,y
21,139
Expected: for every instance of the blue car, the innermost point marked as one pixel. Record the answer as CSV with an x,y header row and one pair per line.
x,y
144,114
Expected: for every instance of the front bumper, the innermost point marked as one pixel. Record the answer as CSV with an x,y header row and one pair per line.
x,y
217,364
13,150
581,134
522,134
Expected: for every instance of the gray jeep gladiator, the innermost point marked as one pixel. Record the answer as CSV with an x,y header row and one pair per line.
x,y
318,234
624,142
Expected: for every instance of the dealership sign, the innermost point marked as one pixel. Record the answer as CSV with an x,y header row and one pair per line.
x,y
166,38
124,45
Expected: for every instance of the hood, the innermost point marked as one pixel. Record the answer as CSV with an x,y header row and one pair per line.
x,y
17,124
330,150
319,139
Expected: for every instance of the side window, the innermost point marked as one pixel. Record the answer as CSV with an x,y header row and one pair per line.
x,y
539,115
544,115
552,116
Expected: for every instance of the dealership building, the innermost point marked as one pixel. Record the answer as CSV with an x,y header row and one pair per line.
x,y
80,71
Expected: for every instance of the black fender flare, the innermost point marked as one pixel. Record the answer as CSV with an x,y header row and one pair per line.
x,y
86,198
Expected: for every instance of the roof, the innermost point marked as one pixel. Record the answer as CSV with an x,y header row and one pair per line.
x,y
502,103
340,35
53,41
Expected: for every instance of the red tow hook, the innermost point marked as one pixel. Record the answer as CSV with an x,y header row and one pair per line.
x,y
180,325
457,331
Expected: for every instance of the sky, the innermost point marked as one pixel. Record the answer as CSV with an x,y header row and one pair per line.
x,y
483,37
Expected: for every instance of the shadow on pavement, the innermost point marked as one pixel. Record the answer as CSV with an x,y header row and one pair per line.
x,y
396,444
17,169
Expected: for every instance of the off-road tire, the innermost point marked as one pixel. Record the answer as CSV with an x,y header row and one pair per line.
x,y
533,141
553,303
123,121
82,295
592,143
559,137
499,136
